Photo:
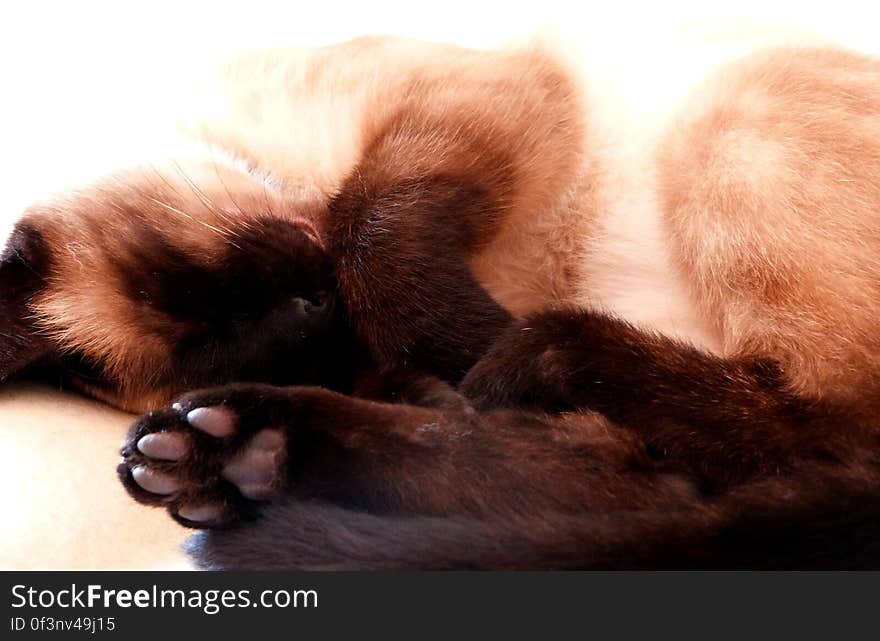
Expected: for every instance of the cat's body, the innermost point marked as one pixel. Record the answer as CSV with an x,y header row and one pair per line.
x,y
694,254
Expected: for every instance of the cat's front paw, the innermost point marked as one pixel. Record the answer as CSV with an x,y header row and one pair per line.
x,y
529,365
211,459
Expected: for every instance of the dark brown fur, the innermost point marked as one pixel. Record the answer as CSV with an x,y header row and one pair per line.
x,y
22,264
727,419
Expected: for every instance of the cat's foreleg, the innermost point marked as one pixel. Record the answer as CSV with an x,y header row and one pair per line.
x,y
218,455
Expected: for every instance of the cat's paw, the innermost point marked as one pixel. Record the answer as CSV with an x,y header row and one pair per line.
x,y
531,364
211,459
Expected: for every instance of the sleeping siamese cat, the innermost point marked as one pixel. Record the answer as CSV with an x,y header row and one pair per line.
x,y
401,305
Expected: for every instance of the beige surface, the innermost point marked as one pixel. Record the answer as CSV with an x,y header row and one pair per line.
x,y
63,506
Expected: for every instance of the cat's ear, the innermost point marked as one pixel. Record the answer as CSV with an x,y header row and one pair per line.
x,y
23,262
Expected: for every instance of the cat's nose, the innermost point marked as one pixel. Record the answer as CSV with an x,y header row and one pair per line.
x,y
314,306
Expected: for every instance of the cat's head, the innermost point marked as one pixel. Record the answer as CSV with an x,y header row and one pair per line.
x,y
158,281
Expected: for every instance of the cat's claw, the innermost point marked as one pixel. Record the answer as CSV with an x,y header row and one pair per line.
x,y
205,464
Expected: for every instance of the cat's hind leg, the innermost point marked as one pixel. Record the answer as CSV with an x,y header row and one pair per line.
x,y
770,185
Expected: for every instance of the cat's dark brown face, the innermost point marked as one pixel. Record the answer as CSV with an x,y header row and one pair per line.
x,y
139,290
